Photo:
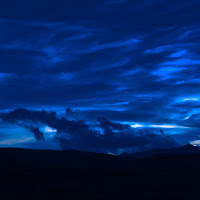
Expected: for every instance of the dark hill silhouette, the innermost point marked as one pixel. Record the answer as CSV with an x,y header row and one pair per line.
x,y
61,175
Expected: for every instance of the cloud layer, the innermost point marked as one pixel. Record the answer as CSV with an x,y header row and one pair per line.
x,y
105,136
127,60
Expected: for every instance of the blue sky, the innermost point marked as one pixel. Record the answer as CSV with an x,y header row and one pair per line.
x,y
134,62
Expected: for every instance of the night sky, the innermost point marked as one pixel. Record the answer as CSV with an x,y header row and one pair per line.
x,y
99,75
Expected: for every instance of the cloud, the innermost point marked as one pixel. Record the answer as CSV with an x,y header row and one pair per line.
x,y
37,133
167,72
106,136
92,55
129,42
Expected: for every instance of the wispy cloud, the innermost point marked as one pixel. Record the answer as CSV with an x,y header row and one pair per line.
x,y
167,72
99,47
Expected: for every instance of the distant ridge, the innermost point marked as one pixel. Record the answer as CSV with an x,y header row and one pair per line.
x,y
188,149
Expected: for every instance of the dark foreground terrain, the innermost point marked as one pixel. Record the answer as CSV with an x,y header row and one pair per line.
x,y
66,175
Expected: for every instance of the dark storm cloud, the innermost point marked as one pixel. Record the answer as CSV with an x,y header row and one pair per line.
x,y
76,134
125,60
37,133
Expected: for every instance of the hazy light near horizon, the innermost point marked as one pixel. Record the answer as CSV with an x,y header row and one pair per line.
x,y
15,141
167,126
195,143
137,125
191,99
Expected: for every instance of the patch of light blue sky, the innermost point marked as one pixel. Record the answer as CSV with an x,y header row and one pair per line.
x,y
10,136
48,132
48,129
167,126
195,143
191,99
188,98
161,126
17,136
